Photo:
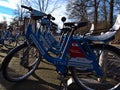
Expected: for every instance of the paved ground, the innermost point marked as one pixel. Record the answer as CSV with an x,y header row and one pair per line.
x,y
45,78
39,81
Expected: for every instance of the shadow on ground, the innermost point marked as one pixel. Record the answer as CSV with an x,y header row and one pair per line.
x,y
35,82
27,84
44,78
30,85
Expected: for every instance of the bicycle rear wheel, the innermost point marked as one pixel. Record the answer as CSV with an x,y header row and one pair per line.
x,y
110,66
20,63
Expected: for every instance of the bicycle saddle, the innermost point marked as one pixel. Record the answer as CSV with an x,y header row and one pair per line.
x,y
76,24
64,30
102,38
69,24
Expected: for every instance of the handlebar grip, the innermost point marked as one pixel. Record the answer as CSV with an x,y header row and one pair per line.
x,y
29,8
53,18
49,16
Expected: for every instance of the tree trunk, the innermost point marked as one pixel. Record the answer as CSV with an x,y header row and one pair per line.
x,y
105,13
111,12
96,11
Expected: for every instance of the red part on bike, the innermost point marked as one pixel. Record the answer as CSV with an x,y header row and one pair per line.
x,y
75,51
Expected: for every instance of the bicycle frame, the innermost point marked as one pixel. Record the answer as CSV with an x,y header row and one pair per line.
x,y
61,62
59,45
50,42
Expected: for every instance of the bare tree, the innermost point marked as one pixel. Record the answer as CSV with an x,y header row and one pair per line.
x,y
19,12
83,9
77,9
41,4
46,5
104,12
96,5
111,12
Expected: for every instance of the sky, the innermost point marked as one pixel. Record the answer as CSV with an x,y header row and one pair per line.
x,y
7,8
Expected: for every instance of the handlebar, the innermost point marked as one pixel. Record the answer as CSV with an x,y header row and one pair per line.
x,y
29,8
38,13
49,16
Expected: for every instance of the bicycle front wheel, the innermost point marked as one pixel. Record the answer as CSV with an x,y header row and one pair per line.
x,y
20,63
20,39
110,66
10,43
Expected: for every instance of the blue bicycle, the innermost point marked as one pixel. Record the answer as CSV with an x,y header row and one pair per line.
x,y
97,68
10,41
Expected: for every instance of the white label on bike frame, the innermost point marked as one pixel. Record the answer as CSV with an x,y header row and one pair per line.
x,y
81,63
81,60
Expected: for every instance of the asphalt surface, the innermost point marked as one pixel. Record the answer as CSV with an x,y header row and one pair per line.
x,y
44,78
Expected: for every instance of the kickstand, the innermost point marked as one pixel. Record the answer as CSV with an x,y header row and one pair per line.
x,y
63,83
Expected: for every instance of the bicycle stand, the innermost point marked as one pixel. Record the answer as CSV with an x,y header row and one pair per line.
x,y
63,84
71,85
68,85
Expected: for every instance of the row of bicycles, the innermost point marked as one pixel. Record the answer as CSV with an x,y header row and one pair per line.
x,y
10,41
92,62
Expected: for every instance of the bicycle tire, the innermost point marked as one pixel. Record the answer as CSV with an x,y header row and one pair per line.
x,y
20,39
111,81
10,43
11,64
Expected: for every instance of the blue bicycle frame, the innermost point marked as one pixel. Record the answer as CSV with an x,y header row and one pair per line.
x,y
61,62
50,41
